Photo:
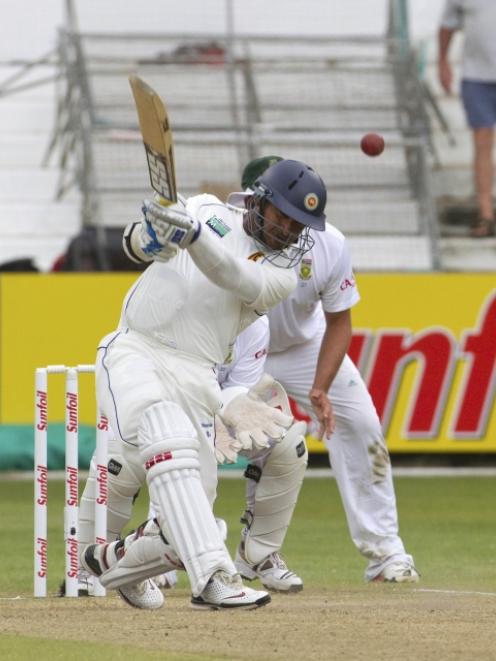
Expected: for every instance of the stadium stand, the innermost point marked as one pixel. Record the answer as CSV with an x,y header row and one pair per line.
x,y
231,97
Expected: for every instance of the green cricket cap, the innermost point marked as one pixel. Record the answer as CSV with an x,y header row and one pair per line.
x,y
255,168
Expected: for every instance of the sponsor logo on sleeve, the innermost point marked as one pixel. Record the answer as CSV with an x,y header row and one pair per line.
x,y
218,226
347,282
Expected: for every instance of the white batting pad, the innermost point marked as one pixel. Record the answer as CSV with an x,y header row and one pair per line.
x,y
169,450
165,426
189,524
145,556
276,494
125,478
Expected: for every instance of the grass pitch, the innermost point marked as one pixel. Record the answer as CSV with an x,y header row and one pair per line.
x,y
447,524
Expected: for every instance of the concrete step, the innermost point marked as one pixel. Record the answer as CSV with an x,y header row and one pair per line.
x,y
454,182
32,220
120,163
458,155
373,216
22,151
383,217
21,117
467,254
366,95
35,184
25,88
390,253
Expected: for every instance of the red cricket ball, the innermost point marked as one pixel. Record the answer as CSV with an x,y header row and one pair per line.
x,y
372,144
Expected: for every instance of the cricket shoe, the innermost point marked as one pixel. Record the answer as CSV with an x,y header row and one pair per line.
x,y
398,572
272,571
227,591
144,594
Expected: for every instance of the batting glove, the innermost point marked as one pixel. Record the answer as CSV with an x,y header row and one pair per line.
x,y
166,228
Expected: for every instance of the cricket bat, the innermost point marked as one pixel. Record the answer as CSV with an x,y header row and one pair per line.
x,y
157,138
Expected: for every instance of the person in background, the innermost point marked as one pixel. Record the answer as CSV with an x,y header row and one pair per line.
x,y
477,19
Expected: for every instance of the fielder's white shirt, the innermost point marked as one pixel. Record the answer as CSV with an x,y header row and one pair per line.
x,y
178,305
246,365
325,282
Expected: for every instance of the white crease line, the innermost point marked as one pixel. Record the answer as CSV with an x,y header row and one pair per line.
x,y
12,598
318,473
467,592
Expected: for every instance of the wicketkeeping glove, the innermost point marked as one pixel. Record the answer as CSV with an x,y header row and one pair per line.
x,y
166,228
253,422
226,446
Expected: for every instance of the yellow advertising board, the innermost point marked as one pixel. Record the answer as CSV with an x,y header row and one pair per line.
x,y
426,345
53,319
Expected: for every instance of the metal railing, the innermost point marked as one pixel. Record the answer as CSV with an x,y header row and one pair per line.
x,y
233,97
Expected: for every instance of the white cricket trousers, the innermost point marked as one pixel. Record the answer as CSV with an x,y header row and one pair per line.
x,y
369,501
134,371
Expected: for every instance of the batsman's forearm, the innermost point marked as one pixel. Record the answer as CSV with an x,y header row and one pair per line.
x,y
259,287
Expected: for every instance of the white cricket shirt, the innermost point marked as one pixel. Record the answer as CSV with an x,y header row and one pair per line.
x,y
325,282
177,305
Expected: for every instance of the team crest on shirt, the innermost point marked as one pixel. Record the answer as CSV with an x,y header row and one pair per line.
x,y
306,268
218,226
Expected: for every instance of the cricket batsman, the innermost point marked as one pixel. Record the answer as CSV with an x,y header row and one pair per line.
x,y
215,270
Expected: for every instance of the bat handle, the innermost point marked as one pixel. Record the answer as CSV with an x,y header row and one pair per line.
x,y
162,201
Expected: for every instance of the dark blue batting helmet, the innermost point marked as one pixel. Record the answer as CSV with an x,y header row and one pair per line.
x,y
296,190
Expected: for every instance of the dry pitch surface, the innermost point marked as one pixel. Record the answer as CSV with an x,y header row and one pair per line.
x,y
370,623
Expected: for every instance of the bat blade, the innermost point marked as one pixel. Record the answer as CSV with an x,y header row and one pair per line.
x,y
157,138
